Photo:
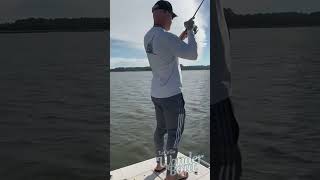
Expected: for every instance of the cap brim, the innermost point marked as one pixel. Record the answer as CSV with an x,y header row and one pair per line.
x,y
174,15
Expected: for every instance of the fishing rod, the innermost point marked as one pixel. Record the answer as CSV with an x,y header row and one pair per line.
x,y
197,9
185,31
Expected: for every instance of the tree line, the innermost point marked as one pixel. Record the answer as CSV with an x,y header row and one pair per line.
x,y
234,20
123,69
57,24
269,20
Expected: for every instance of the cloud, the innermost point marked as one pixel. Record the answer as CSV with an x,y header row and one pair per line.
x,y
128,62
130,20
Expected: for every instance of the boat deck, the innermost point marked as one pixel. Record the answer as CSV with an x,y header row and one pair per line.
x,y
144,171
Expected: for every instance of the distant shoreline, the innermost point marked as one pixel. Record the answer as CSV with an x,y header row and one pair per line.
x,y
48,31
44,25
271,20
135,69
234,21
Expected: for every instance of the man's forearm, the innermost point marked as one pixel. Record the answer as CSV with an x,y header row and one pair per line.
x,y
192,44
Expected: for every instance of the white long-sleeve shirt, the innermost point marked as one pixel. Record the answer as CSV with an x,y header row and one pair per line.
x,y
163,49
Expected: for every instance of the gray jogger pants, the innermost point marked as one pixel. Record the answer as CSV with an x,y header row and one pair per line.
x,y
170,116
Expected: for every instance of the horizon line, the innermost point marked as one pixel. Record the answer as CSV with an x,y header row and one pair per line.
x,y
149,66
256,13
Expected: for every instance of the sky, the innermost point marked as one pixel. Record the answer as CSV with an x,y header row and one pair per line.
x,y
128,29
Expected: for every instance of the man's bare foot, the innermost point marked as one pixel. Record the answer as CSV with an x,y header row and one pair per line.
x,y
159,168
179,176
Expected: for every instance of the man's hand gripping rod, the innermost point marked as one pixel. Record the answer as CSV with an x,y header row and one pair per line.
x,y
185,31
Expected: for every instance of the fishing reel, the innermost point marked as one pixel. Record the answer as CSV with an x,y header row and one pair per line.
x,y
184,33
195,29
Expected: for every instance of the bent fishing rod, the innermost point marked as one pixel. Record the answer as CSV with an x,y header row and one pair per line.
x,y
185,31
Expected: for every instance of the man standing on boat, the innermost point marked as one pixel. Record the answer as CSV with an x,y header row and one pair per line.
x,y
224,129
163,49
